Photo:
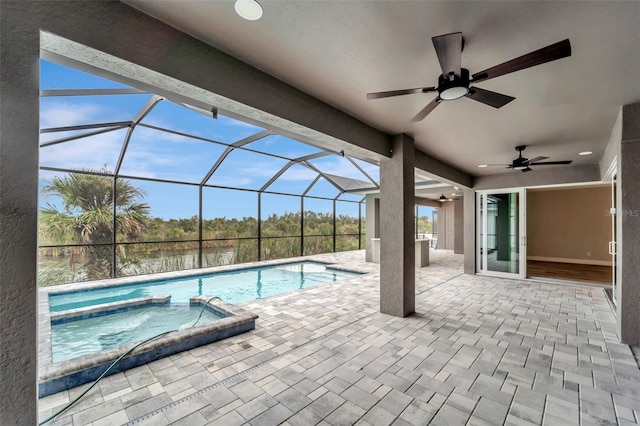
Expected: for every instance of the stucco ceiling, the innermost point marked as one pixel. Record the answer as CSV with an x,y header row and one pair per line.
x,y
338,51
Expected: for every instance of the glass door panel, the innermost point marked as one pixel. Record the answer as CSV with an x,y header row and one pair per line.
x,y
501,236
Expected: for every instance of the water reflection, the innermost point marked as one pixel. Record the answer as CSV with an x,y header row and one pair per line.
x,y
301,277
259,286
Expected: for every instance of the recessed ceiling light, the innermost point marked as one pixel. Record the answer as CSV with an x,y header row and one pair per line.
x,y
456,188
585,153
248,9
482,166
453,195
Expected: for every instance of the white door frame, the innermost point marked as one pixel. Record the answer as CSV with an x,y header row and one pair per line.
x,y
612,177
481,224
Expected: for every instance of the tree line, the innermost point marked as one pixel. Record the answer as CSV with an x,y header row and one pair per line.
x,y
84,215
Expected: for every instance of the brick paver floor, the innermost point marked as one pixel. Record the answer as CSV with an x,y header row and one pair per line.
x,y
478,351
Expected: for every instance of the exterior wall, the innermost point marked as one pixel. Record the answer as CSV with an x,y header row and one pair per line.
x,y
612,151
469,216
18,217
458,243
628,216
569,225
372,224
441,227
451,226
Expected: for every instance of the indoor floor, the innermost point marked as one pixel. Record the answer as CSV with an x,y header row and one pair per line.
x,y
478,351
592,274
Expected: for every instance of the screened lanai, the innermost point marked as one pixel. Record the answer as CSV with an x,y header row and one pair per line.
x,y
192,187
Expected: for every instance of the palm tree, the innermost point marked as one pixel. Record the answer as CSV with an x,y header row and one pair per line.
x,y
86,217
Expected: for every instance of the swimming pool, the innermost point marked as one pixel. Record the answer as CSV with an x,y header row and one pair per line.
x,y
232,286
84,327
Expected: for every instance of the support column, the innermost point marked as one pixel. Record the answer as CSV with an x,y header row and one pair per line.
x,y
469,205
372,224
19,114
458,214
397,240
629,227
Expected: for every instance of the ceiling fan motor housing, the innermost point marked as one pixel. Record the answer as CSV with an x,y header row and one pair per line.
x,y
452,87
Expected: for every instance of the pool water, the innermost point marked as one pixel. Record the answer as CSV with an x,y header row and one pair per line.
x,y
234,286
84,336
76,337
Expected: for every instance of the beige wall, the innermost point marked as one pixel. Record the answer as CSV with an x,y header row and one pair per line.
x,y
569,224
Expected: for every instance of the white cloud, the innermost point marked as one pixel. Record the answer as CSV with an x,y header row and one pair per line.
x,y
227,121
338,166
231,181
59,114
298,173
87,153
147,134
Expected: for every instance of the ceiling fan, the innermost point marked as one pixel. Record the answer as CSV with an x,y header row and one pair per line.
x,y
523,164
454,82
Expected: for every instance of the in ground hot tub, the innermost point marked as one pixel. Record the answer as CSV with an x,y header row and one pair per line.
x,y
59,372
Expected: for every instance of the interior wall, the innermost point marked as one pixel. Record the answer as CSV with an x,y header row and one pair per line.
x,y
569,225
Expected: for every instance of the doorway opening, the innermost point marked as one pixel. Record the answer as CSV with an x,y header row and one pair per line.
x,y
569,233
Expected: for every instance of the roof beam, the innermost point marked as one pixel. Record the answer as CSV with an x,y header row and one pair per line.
x,y
441,171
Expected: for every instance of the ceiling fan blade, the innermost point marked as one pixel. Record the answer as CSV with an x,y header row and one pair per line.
x,y
488,97
533,160
449,50
558,50
426,110
550,163
390,93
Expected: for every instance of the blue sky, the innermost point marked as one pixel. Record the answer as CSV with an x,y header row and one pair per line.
x,y
162,155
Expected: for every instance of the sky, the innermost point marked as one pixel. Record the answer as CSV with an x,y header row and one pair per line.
x,y
158,154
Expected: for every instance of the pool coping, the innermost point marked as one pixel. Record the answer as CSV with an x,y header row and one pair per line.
x,y
76,314
55,377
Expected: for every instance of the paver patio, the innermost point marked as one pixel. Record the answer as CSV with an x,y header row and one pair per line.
x,y
478,351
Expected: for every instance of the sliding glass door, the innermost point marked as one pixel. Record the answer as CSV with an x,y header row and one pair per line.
x,y
501,247
613,243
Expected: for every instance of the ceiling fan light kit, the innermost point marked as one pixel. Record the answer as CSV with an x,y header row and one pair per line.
x,y
455,81
453,87
248,9
524,164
